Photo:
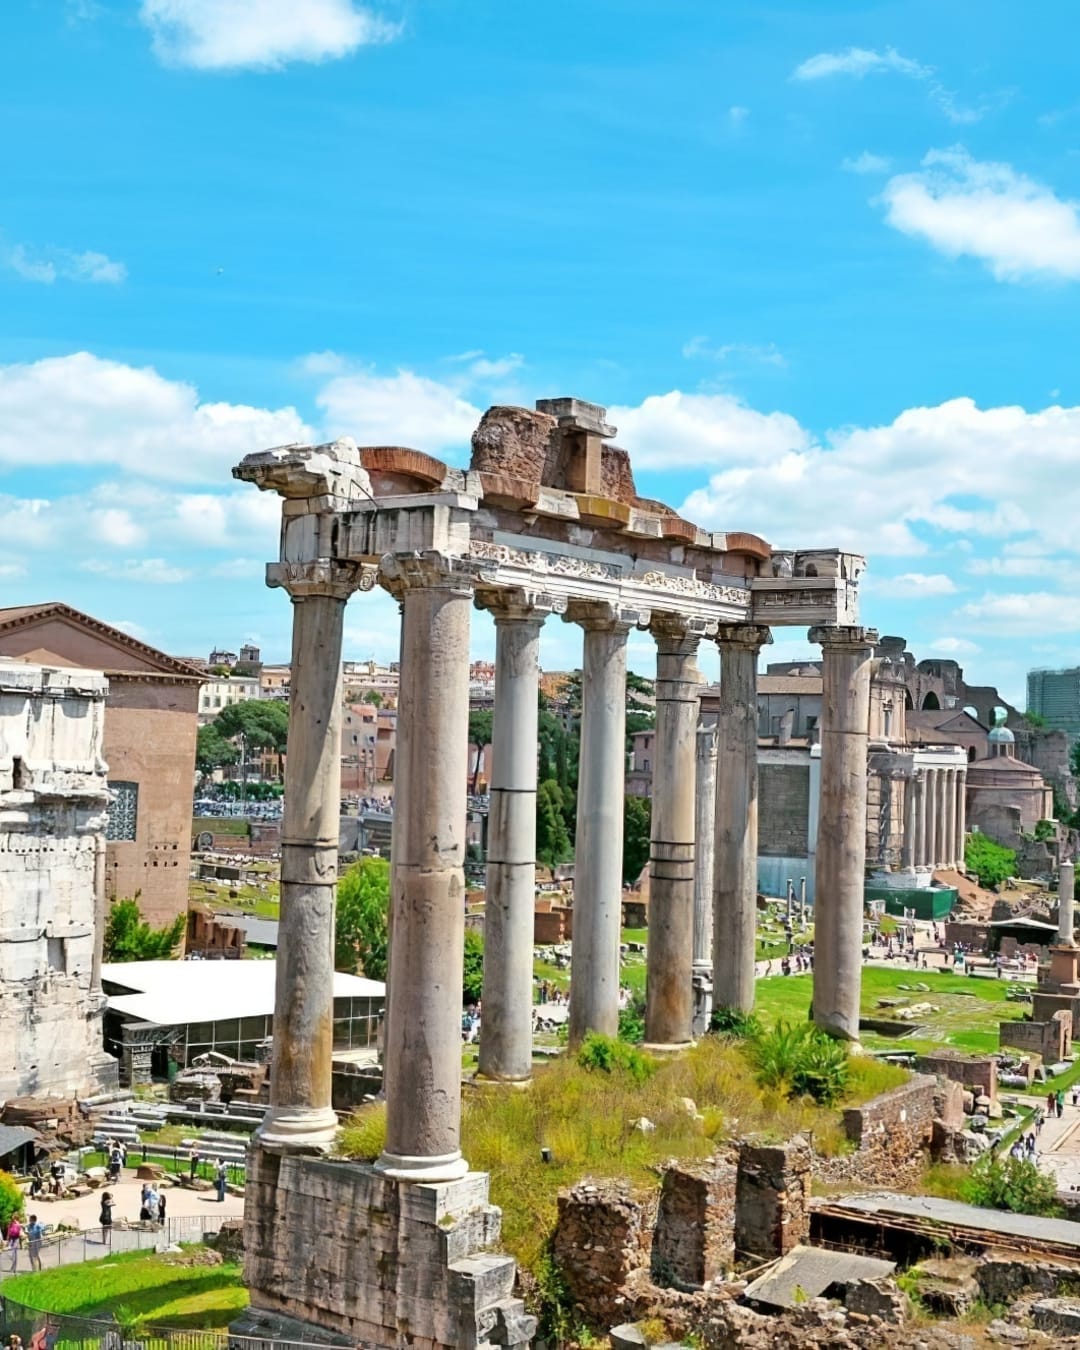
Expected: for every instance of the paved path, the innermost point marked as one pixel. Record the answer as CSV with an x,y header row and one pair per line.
x,y
1058,1146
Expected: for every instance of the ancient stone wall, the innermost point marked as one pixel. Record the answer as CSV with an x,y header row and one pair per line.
x,y
772,1197
694,1237
891,1133
601,1239
53,796
1048,1039
977,1073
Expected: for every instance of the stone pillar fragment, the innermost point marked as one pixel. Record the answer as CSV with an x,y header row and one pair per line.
x,y
961,816
841,856
669,984
594,971
101,917
704,868
427,934
907,852
1066,904
919,783
300,1118
940,796
772,1197
950,818
735,880
506,1036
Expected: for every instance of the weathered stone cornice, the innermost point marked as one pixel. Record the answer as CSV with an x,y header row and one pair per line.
x,y
519,604
846,638
604,616
748,636
429,570
338,580
295,471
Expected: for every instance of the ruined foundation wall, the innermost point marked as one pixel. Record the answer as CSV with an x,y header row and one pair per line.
x,y
53,796
891,1133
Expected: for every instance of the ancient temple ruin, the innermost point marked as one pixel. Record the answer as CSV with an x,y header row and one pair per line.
x,y
546,521
53,799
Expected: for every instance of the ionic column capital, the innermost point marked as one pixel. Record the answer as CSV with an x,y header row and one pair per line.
x,y
745,636
519,605
427,570
844,639
605,616
324,577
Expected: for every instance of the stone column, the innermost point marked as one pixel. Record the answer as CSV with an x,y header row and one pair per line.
x,y
101,913
669,983
919,783
940,822
594,970
950,817
961,816
300,1118
841,856
932,819
704,868
735,883
1066,903
422,1055
506,1031
907,852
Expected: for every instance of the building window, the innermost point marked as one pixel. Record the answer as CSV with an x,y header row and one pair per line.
x,y
123,811
646,766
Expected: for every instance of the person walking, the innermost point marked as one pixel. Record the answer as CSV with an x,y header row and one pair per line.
x,y
14,1238
193,1163
34,1235
105,1217
161,1209
1060,1100
220,1182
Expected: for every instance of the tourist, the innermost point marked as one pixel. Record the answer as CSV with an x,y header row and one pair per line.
x,y
1017,1150
1059,1102
116,1162
14,1237
1040,1116
1051,1103
56,1171
1076,1096
14,1342
220,1181
34,1235
193,1163
105,1217
161,1209
37,1181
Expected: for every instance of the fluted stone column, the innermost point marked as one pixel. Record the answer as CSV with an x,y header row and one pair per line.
x,y
907,852
594,970
735,881
841,855
669,984
1066,904
961,815
422,1056
704,869
950,817
101,914
940,820
506,1032
920,818
300,1118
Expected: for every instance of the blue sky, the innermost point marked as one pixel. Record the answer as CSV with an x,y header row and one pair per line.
x,y
822,262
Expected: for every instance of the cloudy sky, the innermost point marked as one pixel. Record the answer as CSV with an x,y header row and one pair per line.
x,y
821,261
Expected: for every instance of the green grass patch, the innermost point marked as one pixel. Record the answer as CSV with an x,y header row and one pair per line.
x,y
164,1289
220,825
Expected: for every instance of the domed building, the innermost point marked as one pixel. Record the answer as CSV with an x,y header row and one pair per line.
x,y
1005,796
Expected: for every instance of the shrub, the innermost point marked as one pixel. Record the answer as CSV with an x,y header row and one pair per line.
x,y
801,1061
11,1200
735,1023
632,1021
606,1055
1011,1183
988,861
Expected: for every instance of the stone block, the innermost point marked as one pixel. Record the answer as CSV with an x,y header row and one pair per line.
x,y
1060,1316
599,1241
772,1194
693,1240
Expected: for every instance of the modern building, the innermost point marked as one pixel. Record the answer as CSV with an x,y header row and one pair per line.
x,y
222,691
151,719
53,802
1055,696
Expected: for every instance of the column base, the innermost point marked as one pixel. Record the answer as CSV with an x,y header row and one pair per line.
x,y
662,1048
486,1080
298,1129
403,1167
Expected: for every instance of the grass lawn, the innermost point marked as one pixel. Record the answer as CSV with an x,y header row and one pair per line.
x,y
250,899
168,1289
970,1008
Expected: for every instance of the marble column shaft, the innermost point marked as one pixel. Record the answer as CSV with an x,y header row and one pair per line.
x,y
940,822
841,853
735,877
422,1059
907,852
594,971
506,1033
1066,903
950,817
300,1118
670,952
961,815
704,847
920,818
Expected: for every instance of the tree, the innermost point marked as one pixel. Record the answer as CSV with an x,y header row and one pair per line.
x,y
362,921
212,750
1014,1184
637,820
261,721
128,937
480,729
11,1200
373,697
990,862
552,837
472,974
1036,720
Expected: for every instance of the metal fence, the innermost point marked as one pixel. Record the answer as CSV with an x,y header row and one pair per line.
x,y
91,1244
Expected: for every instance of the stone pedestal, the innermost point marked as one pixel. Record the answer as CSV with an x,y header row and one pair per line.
x,y
735,878
341,1250
422,1037
772,1198
841,854
594,971
704,872
506,1034
669,988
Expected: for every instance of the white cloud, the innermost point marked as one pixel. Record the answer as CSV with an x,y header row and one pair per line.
x,y
1020,566
114,525
954,646
259,34
1022,614
401,409
913,585
60,264
737,115
866,162
676,430
83,410
154,570
960,206
859,62
767,354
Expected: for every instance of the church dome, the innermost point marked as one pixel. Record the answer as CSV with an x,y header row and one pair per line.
x,y
1001,735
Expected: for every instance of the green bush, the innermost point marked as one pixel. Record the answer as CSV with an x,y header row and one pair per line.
x,y
11,1199
735,1023
988,861
801,1061
1011,1183
606,1054
632,1021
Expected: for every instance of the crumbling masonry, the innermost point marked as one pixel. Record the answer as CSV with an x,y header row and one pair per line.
x,y
546,520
